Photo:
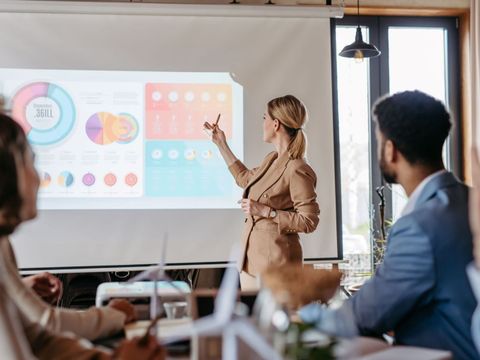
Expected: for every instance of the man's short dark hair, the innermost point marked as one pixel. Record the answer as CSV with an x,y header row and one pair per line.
x,y
416,123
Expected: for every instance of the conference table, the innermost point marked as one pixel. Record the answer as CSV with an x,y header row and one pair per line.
x,y
359,348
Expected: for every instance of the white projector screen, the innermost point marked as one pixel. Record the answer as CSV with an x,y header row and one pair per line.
x,y
89,83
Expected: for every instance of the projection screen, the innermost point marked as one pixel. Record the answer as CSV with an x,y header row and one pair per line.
x,y
113,98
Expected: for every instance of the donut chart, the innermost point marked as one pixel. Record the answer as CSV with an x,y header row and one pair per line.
x,y
126,128
45,111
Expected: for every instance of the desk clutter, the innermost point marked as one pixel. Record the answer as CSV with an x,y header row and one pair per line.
x,y
168,290
224,323
257,323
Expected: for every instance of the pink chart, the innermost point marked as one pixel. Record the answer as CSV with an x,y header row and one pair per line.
x,y
45,111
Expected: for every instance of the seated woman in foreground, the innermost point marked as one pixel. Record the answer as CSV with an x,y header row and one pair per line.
x,y
21,335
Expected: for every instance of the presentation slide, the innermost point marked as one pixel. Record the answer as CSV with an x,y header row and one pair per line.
x,y
113,97
128,140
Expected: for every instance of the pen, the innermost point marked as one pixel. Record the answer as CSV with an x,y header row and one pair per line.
x,y
144,340
216,122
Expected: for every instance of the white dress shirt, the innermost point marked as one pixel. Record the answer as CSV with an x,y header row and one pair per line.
x,y
412,200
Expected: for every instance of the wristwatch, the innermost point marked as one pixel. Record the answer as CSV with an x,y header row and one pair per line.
x,y
272,214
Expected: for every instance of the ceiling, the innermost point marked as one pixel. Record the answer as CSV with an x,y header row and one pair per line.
x,y
442,4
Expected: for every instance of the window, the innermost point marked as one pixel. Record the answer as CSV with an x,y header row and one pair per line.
x,y
353,114
417,53
425,71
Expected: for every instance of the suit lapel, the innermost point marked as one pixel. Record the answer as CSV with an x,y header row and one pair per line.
x,y
280,168
274,175
441,181
260,173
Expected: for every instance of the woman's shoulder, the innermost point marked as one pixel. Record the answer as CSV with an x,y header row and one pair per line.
x,y
301,166
269,157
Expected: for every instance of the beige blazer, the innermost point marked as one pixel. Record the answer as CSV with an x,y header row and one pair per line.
x,y
91,323
22,339
289,188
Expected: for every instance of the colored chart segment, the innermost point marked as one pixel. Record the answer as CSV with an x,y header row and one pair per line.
x,y
126,128
99,128
177,111
45,179
131,179
104,128
190,168
110,179
88,179
45,111
65,179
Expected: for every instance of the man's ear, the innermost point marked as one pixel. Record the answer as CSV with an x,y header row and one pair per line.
x,y
390,152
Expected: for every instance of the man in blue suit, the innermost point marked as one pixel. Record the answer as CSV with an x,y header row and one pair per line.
x,y
421,291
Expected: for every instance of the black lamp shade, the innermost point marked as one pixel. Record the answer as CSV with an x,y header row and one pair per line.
x,y
359,46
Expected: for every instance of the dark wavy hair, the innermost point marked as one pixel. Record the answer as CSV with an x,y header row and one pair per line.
x,y
13,145
416,123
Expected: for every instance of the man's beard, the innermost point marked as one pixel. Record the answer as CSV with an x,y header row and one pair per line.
x,y
389,176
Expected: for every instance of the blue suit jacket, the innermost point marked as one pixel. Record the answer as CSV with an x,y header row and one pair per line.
x,y
421,291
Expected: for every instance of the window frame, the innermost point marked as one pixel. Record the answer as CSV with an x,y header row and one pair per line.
x,y
379,85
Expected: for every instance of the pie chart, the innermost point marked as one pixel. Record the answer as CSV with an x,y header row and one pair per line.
x,y
104,128
45,111
65,179
99,128
45,179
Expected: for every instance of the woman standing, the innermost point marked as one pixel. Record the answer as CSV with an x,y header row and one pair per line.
x,y
279,198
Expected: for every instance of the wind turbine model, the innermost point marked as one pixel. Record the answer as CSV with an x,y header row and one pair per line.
x,y
155,273
223,322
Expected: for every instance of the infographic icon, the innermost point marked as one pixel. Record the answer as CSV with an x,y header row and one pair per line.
x,y
88,179
45,179
110,179
131,179
65,179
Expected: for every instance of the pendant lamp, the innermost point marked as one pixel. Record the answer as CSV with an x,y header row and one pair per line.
x,y
359,49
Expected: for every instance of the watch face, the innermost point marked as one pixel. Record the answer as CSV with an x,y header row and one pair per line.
x,y
273,213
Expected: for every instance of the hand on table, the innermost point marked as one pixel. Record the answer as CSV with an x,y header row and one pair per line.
x,y
46,285
125,307
254,208
134,349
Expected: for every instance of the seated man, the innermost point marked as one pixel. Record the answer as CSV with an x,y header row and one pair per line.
x,y
421,291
